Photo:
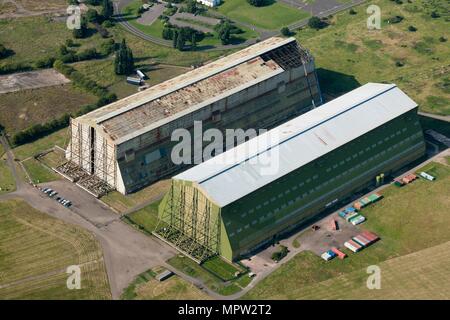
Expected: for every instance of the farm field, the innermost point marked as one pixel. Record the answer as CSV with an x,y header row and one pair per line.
x,y
7,183
418,62
146,287
272,16
36,251
22,109
408,220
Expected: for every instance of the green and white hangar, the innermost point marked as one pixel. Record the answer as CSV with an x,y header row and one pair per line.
x,y
324,156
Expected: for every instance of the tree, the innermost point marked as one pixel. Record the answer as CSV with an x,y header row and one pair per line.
x,y
191,6
193,40
124,61
285,31
180,42
224,32
3,51
315,23
256,3
175,38
108,9
92,15
82,31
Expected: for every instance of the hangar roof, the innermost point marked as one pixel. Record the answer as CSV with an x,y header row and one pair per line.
x,y
141,112
245,168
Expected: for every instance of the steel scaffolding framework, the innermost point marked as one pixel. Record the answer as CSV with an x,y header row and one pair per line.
x,y
85,150
187,224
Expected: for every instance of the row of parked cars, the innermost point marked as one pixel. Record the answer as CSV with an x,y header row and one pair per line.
x,y
53,194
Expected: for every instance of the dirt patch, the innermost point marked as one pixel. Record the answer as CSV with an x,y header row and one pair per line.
x,y
31,80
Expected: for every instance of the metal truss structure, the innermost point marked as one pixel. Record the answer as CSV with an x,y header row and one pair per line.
x,y
187,224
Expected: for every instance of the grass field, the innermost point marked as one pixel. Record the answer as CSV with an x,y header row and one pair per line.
x,y
146,287
408,220
123,203
223,269
193,269
361,56
25,151
34,38
35,252
103,73
419,275
20,110
146,218
7,183
33,5
273,16
39,173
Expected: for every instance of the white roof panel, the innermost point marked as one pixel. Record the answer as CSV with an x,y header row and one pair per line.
x,y
298,142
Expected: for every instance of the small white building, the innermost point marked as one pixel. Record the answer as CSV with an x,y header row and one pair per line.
x,y
209,3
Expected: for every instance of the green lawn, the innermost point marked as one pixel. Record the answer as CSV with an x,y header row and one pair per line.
x,y
146,219
7,183
38,172
272,17
59,138
223,269
407,219
360,56
213,282
36,250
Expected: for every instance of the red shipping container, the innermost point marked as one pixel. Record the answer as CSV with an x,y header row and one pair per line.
x,y
339,253
370,236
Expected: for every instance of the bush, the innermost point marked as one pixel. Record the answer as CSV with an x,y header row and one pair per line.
x,y
87,54
442,39
14,67
412,29
45,63
39,130
277,256
435,15
285,31
107,47
396,19
256,3
3,51
352,11
399,63
316,23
